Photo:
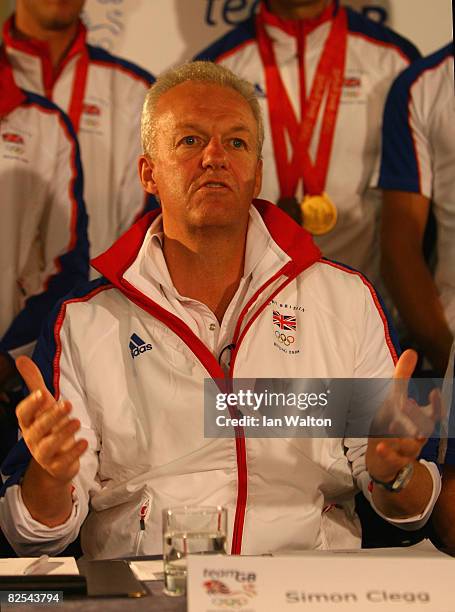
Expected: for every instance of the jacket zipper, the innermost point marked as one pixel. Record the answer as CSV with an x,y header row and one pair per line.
x,y
144,512
211,365
242,468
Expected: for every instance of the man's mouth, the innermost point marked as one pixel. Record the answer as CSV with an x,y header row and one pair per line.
x,y
214,185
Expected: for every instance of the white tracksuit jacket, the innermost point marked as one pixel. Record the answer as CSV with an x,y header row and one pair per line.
x,y
43,227
143,414
419,154
106,99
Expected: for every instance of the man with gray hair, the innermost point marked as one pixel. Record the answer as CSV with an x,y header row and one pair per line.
x,y
115,429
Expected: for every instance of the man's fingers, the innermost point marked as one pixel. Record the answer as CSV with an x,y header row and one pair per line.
x,y
45,422
436,405
47,429
406,364
404,369
65,462
421,419
59,443
29,408
31,374
61,424
403,427
417,421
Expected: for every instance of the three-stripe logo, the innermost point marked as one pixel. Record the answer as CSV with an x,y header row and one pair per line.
x,y
138,346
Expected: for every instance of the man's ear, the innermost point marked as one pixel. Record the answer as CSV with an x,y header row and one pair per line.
x,y
146,174
258,179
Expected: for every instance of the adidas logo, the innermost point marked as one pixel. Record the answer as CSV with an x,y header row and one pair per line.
x,y
138,346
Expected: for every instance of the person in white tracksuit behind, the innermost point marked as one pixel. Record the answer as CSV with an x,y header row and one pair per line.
x,y
214,270
294,52
44,251
46,46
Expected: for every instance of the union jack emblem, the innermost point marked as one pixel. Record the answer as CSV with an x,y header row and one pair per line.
x,y
285,322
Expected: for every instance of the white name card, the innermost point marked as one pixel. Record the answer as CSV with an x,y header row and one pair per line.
x,y
312,582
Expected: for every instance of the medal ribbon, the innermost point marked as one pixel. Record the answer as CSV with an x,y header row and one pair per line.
x,y
328,82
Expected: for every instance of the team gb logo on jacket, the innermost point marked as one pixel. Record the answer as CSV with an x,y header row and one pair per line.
x,y
13,144
91,115
285,327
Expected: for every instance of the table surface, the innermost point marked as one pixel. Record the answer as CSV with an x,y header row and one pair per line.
x,y
154,601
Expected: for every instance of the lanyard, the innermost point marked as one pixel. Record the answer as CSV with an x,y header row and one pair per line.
x,y
328,84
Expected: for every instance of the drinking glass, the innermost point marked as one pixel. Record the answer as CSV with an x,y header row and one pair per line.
x,y
189,530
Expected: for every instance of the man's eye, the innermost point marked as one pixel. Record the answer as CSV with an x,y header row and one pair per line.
x,y
238,143
189,140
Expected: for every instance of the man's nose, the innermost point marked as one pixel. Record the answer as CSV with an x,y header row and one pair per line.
x,y
214,154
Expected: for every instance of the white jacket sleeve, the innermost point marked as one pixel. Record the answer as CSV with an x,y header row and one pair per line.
x,y
58,360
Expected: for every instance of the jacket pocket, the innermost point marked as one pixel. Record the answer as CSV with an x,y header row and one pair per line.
x,y
339,530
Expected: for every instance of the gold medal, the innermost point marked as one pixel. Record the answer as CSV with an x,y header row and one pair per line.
x,y
319,214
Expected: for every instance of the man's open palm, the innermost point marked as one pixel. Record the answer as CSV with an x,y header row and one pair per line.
x,y
47,428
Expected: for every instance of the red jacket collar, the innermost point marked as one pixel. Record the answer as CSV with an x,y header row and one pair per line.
x,y
293,26
12,96
292,239
40,48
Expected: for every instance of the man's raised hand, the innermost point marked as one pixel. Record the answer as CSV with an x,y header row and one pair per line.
x,y
47,428
404,418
